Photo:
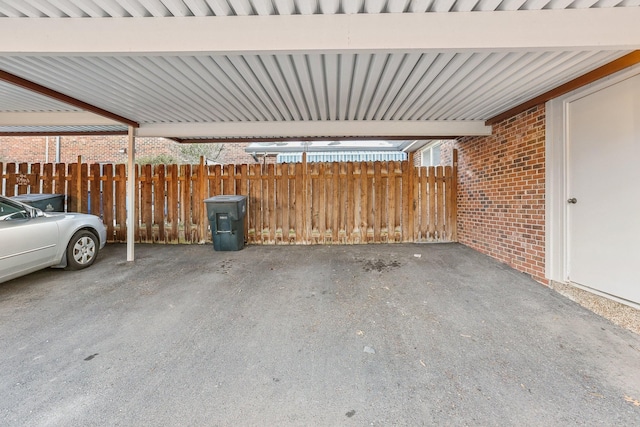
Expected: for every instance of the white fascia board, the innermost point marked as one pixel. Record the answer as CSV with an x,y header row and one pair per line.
x,y
536,30
54,119
319,129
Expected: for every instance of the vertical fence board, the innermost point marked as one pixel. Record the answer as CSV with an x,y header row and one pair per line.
x,y
159,200
185,205
172,203
121,202
83,187
271,200
10,182
424,197
377,190
108,201
252,208
72,186
292,204
95,190
397,234
301,236
60,180
47,178
23,179
146,203
335,202
244,190
440,203
432,202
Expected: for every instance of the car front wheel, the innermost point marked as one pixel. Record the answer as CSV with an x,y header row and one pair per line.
x,y
82,250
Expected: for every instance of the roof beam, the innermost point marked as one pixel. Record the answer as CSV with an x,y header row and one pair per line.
x,y
42,90
54,119
261,131
567,29
63,133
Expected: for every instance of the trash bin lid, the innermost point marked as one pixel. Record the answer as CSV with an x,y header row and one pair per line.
x,y
35,197
225,198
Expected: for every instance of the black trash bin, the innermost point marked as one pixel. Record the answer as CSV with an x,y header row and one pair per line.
x,y
226,218
44,202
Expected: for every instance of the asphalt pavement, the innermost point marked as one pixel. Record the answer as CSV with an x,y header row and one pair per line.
x,y
307,335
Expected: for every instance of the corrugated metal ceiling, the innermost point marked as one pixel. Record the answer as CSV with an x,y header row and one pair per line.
x,y
266,87
182,8
466,86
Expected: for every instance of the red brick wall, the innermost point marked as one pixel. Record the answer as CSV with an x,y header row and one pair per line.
x,y
233,153
501,179
102,149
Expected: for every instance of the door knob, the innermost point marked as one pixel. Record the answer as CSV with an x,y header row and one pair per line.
x,y
572,200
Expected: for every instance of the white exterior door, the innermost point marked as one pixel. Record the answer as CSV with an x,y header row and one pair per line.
x,y
603,175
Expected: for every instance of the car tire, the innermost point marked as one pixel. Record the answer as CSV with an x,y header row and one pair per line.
x,y
82,250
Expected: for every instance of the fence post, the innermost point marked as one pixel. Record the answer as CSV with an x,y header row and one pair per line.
x,y
411,234
79,185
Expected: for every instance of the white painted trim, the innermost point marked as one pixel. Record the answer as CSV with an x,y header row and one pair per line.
x,y
131,191
606,295
556,239
321,129
79,118
567,29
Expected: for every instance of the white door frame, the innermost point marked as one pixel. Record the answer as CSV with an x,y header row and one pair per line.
x,y
556,238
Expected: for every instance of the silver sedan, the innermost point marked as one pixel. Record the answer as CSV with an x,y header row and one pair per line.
x,y
31,240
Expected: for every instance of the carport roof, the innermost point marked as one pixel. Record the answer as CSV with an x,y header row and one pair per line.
x,y
229,70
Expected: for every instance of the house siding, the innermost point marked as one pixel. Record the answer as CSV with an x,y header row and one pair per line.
x,y
501,191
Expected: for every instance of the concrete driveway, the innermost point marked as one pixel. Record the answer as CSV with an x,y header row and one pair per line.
x,y
342,335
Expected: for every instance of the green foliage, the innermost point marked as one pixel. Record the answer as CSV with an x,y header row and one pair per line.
x,y
188,154
191,153
160,159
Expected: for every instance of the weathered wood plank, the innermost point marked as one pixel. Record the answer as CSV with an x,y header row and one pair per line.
x,y
121,202
109,202
440,203
432,202
424,205
300,204
95,190
159,203
271,200
146,203
377,197
47,178
172,203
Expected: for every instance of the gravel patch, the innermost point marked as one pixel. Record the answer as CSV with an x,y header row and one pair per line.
x,y
618,313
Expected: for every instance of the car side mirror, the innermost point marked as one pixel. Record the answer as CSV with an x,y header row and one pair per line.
x,y
36,213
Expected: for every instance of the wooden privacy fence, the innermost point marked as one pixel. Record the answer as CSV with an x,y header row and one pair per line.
x,y
300,203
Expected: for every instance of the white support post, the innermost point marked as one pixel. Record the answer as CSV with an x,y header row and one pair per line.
x,y
131,191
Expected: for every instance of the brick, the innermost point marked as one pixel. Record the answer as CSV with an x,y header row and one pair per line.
x,y
512,203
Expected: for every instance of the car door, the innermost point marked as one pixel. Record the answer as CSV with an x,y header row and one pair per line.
x,y
26,243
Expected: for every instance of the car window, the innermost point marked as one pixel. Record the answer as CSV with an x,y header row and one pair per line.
x,y
9,211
